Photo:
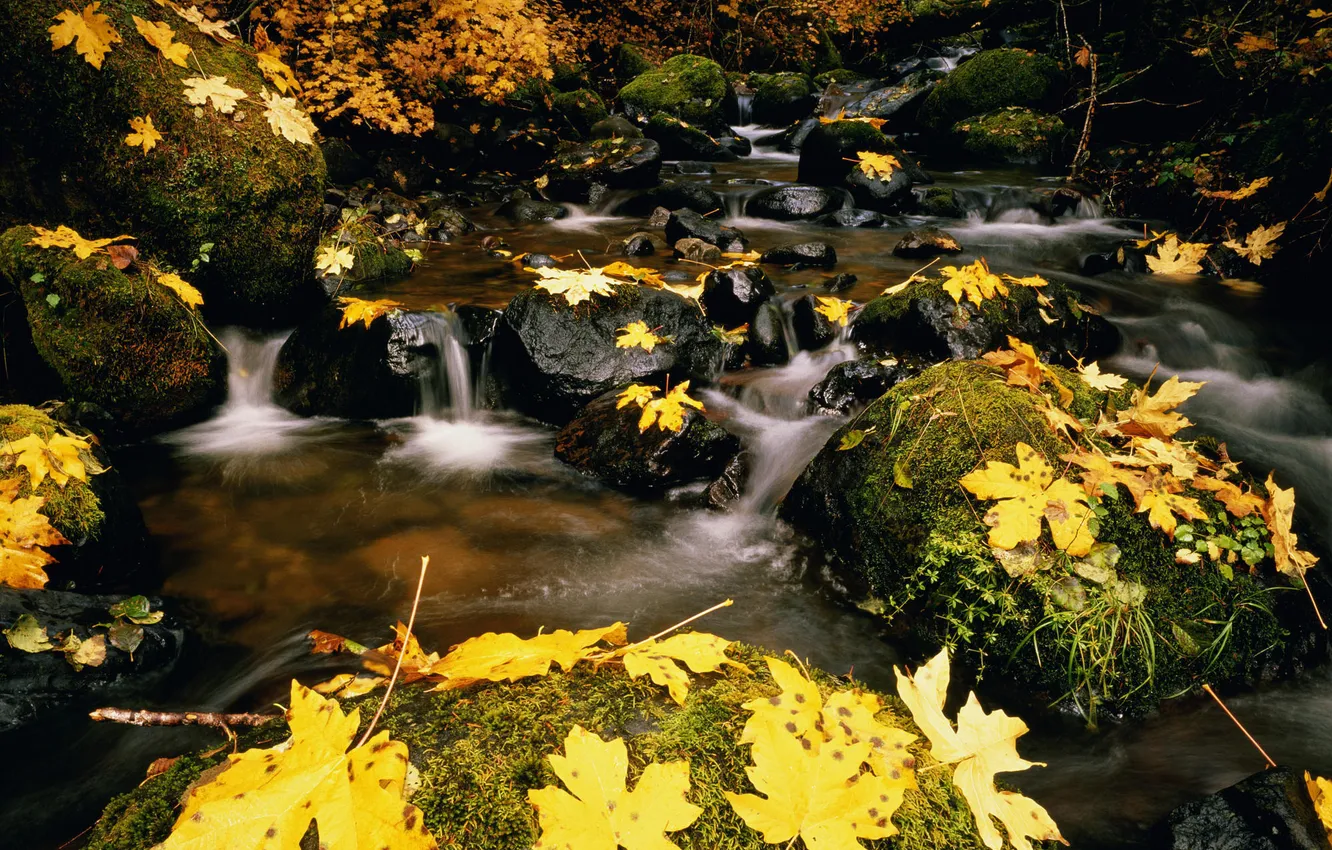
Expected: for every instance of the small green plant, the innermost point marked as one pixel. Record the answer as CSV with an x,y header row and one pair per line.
x,y
1223,540
204,256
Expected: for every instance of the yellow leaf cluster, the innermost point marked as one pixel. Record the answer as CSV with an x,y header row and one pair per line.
x,y
90,31
877,165
1153,415
360,310
979,284
637,335
1176,257
335,259
668,411
23,535
1028,493
835,310
217,30
57,458
1259,245
276,71
66,237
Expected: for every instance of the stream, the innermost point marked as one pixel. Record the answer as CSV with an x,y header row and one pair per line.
x,y
270,525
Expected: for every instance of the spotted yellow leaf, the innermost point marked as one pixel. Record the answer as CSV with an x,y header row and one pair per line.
x,y
1162,501
142,133
506,657
1027,493
661,660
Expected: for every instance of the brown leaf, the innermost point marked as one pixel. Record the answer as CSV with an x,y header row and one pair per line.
x,y
123,256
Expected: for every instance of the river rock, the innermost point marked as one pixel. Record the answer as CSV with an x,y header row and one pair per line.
x,y
991,80
85,331
36,682
639,245
812,328
682,140
688,166
687,224
766,343
630,62
731,296
792,203
782,98
1270,810
581,109
898,102
605,442
940,201
698,251
804,254
926,242
1014,135
226,180
726,490
889,194
840,282
616,127
829,152
923,320
854,383
581,173
675,195
553,359
690,88
853,217
521,209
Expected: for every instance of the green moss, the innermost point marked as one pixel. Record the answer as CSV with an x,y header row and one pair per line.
x,y
74,509
581,108
1014,135
838,75
782,97
940,201
480,750
991,80
691,88
631,61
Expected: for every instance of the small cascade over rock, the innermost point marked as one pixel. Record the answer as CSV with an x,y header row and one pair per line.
x,y
447,390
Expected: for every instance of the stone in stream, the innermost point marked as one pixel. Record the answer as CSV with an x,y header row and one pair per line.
x,y
853,217
581,109
691,167
940,201
582,173
926,242
682,140
552,359
727,489
991,80
689,88
803,254
1013,135
521,209
604,441
782,98
675,195
829,156
687,224
899,102
732,296
616,127
639,245
698,251
766,343
854,383
792,203
85,331
1270,810
38,682
840,282
812,328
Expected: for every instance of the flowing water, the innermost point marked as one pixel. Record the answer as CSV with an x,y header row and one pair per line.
x,y
269,525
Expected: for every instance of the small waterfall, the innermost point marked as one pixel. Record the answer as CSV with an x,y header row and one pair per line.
x,y
447,391
1089,208
743,108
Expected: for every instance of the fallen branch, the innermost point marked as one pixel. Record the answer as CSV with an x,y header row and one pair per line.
x,y
179,718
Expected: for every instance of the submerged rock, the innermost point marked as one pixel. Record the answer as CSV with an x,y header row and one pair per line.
x,y
604,441
552,359
853,217
927,242
802,254
792,203
723,493
1271,810
687,224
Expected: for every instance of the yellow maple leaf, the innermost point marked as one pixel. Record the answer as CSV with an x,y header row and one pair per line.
x,y
184,291
287,119
276,71
642,275
1259,245
637,335
57,458
982,745
1093,377
876,123
639,394
201,90
1279,513
216,30
360,310
877,165
335,259
267,798
1024,368
601,813
1175,257
977,282
160,35
835,310
576,285
1238,194
1320,789
668,412
1161,501
66,237
143,133
807,762
1154,415
1240,503
23,533
1178,457
657,659
1099,470
506,657
90,31
1029,492
689,293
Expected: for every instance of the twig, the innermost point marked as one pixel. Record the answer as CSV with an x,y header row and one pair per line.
x,y
1259,746
217,720
680,625
1083,151
1319,614
411,621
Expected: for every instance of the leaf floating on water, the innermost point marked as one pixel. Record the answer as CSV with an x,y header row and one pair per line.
x,y
1027,493
1259,245
359,310
90,31
1175,257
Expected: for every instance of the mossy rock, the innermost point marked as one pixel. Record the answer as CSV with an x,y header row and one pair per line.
x,y
480,750
829,151
581,108
213,178
691,88
1015,135
99,517
682,140
375,258
897,525
85,331
988,81
839,76
782,98
631,61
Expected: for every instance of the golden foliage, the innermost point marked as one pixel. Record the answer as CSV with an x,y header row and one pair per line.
x,y
23,534
1027,493
835,310
287,119
142,133
161,36
201,90
90,32
360,310
1176,257
183,290
660,660
57,458
1259,245
668,412
979,284
67,237
637,335
877,165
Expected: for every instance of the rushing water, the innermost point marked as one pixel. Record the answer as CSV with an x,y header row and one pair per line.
x,y
270,525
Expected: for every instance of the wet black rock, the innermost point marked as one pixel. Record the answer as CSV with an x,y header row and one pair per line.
x,y
616,127
889,195
812,328
731,296
404,171
791,203
724,492
521,209
639,245
766,343
941,202
698,251
738,145
806,254
687,224
830,151
927,242
899,101
538,261
604,441
1100,262
680,140
577,170
34,683
782,98
552,359
674,195
691,167
853,383
853,217
840,283
1267,811
793,139
447,223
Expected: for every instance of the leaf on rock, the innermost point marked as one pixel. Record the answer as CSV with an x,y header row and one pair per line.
x,y
1100,471
878,166
1162,500
506,657
1024,368
66,237
700,652
1154,415
184,291
287,119
59,458
28,635
1027,493
853,438
267,798
1240,503
689,293
136,609
1279,513
1093,377
161,36
576,285
90,31
201,90
835,310
23,533
276,71
978,283
639,394
1175,257
642,275
125,636
142,133
335,259
360,310
217,30
982,745
1320,791
1259,245
668,412
601,813
637,335
83,653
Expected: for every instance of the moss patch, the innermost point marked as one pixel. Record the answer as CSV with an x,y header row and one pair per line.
x,y
74,509
581,108
988,81
691,88
1014,135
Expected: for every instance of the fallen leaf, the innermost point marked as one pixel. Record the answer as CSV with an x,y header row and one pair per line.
x,y
641,275
287,119
90,31
57,458
122,256
878,166
276,71
359,310
160,35
201,90
65,237
639,394
83,653
506,657
1240,503
661,660
217,30
1093,377
1028,492
184,291
1154,415
1161,501
576,285
1250,43
28,635
1259,245
1023,368
1175,257
1100,471
835,310
23,533
335,259
853,438
142,133
637,335
668,412
1279,513
1320,789
1240,193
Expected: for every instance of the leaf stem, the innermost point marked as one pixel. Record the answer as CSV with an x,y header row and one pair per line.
x,y
1252,740
407,636
724,604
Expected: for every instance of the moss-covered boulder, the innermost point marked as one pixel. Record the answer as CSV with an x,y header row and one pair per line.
x,y
583,172
828,158
992,80
688,87
1014,135
85,331
481,749
99,517
683,141
782,98
373,256
216,178
580,109
630,62
1122,628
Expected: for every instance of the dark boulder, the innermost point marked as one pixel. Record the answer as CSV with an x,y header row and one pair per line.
x,y
889,194
898,102
687,224
853,217
1271,810
616,127
804,254
767,343
675,195
731,296
812,328
791,203
581,173
854,383
729,487
521,150
793,139
552,358
682,140
639,245
580,109
343,163
782,98
521,209
604,441
830,151
840,282
688,166
926,242
941,202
